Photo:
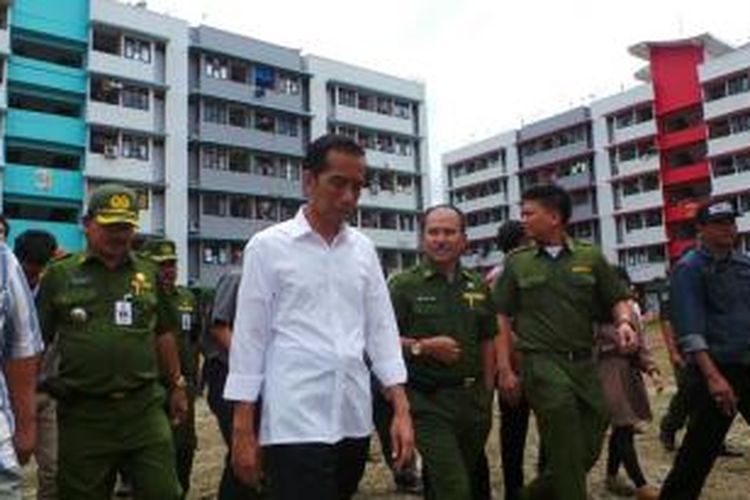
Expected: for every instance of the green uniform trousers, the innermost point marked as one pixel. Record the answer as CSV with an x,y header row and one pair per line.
x,y
451,427
99,435
185,442
567,400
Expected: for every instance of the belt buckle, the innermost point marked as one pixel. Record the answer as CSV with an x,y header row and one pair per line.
x,y
117,395
469,382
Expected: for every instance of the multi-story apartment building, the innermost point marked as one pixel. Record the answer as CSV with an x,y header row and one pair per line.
x,y
90,99
387,116
249,125
639,162
482,180
209,127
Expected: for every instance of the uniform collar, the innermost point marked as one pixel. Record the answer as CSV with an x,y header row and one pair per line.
x,y
429,270
300,226
88,256
568,244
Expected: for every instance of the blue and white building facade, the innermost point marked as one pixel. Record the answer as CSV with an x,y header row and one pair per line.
x,y
209,127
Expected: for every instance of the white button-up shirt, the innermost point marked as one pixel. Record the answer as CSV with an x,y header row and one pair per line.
x,y
307,313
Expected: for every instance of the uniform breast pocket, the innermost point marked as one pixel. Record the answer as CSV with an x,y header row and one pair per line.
x,y
77,305
583,280
144,309
426,308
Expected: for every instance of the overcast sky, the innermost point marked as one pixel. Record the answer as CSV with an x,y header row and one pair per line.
x,y
488,64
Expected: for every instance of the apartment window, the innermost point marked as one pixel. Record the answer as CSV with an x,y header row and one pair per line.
x,y
217,67
265,77
135,147
385,106
366,102
405,184
238,117
366,140
214,112
240,207
633,222
289,169
740,123
738,84
644,114
137,49
403,147
715,91
630,187
385,143
265,122
653,218
625,119
288,126
650,182
142,198
347,97
288,84
106,41
214,204
103,141
402,109
349,132
267,209
239,160
724,166
626,153
215,157
106,90
238,72
135,97
264,166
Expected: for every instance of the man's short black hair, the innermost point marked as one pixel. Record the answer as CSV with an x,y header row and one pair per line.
x,y
35,246
317,151
4,223
552,197
510,234
458,211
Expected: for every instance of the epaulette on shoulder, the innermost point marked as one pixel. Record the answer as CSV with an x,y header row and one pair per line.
x,y
521,249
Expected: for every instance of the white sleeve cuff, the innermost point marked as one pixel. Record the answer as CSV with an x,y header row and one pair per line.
x,y
242,387
693,343
391,372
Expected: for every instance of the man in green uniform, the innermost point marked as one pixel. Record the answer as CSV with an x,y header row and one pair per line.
x,y
554,290
185,307
111,319
447,324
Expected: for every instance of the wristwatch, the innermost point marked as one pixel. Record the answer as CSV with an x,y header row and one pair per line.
x,y
416,348
179,383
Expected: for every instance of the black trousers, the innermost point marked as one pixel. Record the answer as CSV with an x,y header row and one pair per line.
x,y
706,430
316,471
215,376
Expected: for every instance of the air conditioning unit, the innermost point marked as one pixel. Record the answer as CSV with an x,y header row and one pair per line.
x,y
110,151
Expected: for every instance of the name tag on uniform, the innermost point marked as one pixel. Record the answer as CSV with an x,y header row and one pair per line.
x,y
187,322
123,313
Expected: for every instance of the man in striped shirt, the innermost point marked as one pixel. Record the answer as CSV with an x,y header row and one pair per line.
x,y
20,347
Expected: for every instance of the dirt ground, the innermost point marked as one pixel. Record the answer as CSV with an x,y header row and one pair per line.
x,y
729,480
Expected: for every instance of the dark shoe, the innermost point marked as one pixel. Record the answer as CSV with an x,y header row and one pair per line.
x,y
667,440
730,452
408,483
619,486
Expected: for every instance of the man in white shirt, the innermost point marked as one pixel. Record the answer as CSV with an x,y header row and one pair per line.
x,y
312,303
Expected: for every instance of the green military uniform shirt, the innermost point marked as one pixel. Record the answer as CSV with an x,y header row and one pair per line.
x,y
187,333
553,301
427,304
105,321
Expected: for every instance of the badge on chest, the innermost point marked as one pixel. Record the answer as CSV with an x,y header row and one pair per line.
x,y
123,313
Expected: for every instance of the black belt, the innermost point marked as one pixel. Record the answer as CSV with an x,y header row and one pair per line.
x,y
574,356
431,386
